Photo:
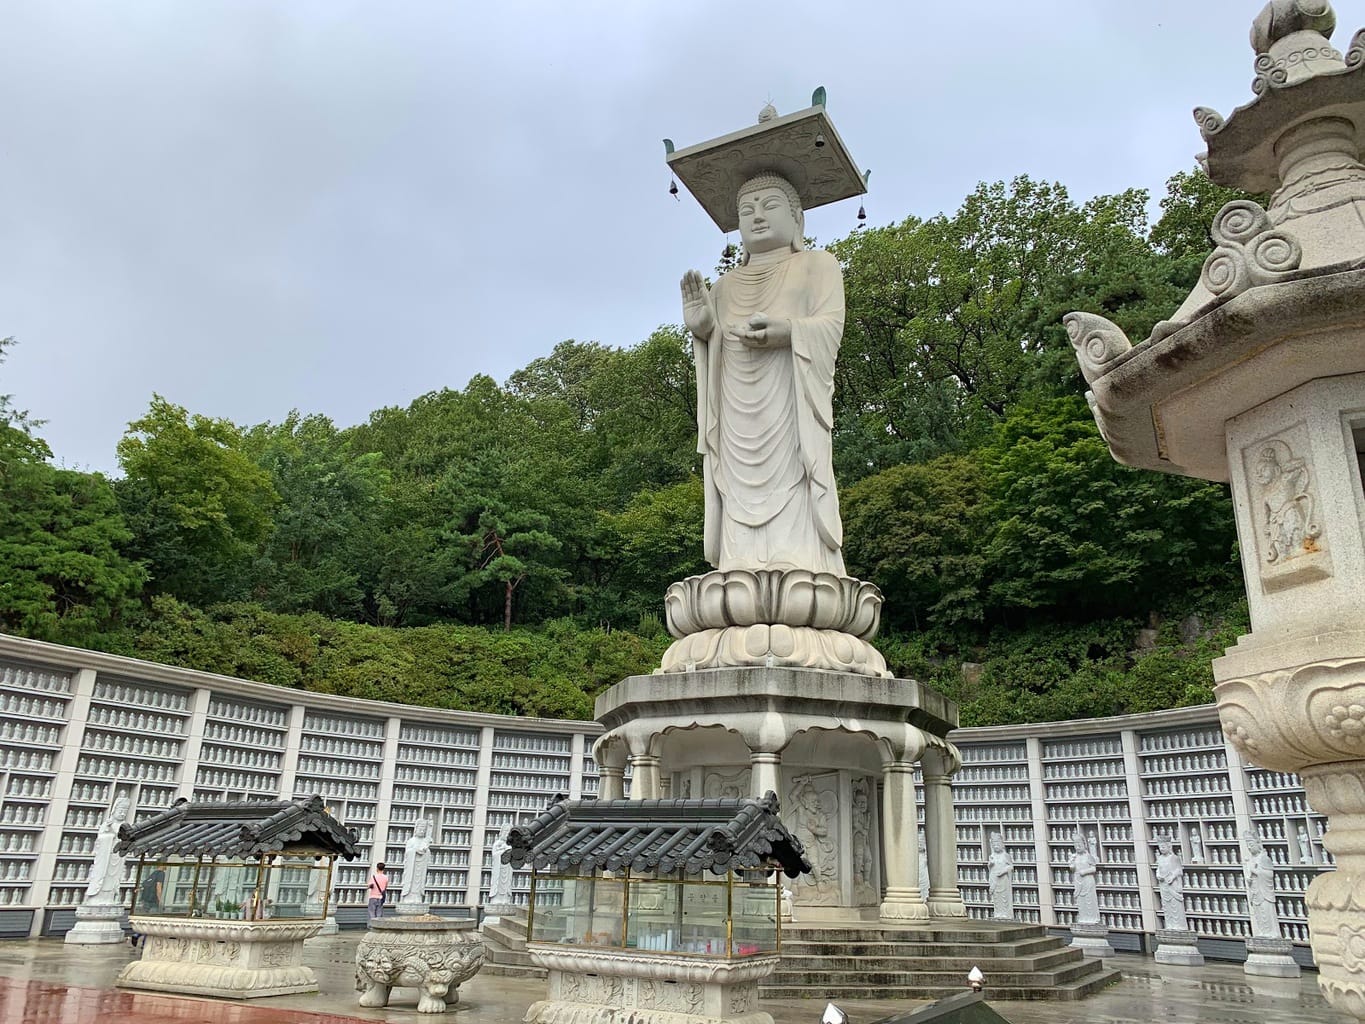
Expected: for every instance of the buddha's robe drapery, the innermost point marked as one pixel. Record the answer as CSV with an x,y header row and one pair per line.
x,y
764,416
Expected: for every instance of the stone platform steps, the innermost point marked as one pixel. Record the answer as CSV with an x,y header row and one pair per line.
x,y
505,943
929,962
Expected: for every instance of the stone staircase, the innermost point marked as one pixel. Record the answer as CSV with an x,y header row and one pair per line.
x,y
505,946
929,962
833,961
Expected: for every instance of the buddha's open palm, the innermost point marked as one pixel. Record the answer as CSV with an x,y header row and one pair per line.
x,y
697,314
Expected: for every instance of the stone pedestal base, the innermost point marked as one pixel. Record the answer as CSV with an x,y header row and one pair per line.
x,y
1178,946
626,986
1270,958
775,618
405,909
821,740
946,903
97,924
431,953
1091,939
227,959
903,905
330,926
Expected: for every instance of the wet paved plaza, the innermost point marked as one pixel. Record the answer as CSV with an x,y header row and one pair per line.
x,y
46,982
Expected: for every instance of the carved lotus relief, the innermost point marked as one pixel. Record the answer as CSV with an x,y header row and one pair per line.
x,y
774,646
1290,720
797,597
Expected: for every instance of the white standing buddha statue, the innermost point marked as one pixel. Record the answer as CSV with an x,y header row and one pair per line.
x,y
766,337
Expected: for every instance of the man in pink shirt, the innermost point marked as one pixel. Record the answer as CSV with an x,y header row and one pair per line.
x,y
379,884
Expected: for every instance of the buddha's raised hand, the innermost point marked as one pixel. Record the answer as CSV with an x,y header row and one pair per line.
x,y
697,305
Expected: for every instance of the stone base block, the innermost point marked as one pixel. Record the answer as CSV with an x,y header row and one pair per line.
x,y
97,924
626,986
433,954
405,909
330,926
226,959
1091,939
1270,958
1179,947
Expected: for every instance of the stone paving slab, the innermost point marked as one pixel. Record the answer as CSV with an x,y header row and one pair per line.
x,y
74,985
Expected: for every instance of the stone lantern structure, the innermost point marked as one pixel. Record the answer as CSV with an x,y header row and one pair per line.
x,y
1259,380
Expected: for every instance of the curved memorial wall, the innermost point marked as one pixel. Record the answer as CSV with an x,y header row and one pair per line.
x,y
1126,783
78,728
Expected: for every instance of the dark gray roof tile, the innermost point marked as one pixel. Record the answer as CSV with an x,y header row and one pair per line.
x,y
667,836
238,829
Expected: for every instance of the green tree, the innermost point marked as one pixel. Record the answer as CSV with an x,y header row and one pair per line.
x,y
333,502
1078,533
508,548
917,531
954,319
64,573
657,540
197,503
1192,201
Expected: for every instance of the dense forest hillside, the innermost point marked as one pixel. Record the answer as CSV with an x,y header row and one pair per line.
x,y
504,547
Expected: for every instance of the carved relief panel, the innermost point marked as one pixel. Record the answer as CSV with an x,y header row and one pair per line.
x,y
726,785
811,812
862,849
1286,510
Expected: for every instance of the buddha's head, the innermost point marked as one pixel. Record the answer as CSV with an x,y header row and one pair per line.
x,y
770,215
997,844
1254,844
1165,845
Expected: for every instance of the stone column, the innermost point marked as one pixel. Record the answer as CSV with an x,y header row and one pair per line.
x,y
645,777
610,754
940,831
903,901
763,775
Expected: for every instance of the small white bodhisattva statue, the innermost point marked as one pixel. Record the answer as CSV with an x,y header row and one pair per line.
x,y
1000,872
1170,880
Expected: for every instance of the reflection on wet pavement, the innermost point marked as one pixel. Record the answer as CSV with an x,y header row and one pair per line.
x,y
46,982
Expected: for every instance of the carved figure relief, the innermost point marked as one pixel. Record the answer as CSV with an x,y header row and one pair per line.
x,y
1283,487
729,786
923,867
742,998
864,867
813,809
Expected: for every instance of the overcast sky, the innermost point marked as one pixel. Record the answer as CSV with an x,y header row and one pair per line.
x,y
253,206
